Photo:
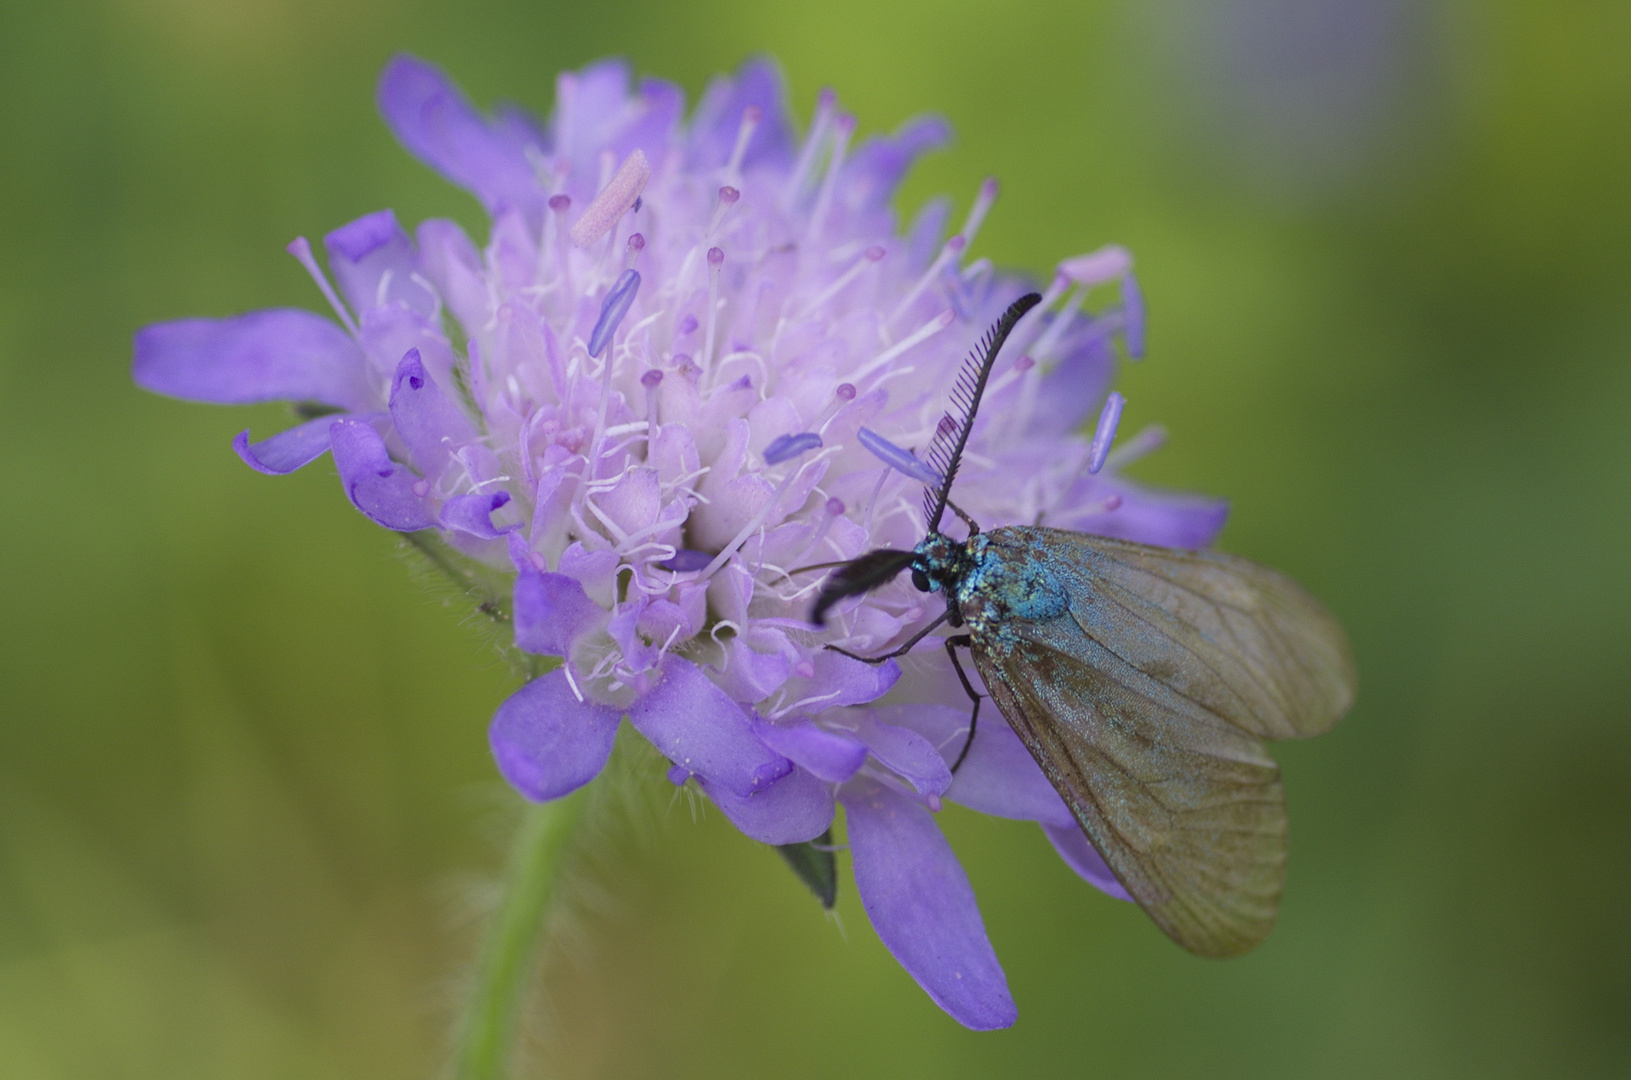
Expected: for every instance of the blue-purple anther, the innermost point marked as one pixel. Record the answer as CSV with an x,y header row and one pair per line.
x,y
898,458
785,447
1105,433
612,309
685,560
650,550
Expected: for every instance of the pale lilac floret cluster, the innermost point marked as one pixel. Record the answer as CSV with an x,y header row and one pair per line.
x,y
694,356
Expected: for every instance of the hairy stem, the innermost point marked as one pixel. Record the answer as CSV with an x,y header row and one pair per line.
x,y
485,1041
487,589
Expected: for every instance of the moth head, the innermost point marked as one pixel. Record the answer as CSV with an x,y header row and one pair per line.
x,y
937,561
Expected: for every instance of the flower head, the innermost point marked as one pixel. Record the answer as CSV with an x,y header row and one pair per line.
x,y
692,358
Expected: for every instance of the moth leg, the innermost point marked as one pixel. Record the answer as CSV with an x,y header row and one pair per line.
x,y
973,526
906,648
966,642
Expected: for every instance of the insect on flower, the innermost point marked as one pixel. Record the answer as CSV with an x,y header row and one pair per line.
x,y
1144,680
619,419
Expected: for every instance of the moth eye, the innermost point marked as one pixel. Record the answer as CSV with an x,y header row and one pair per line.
x,y
920,580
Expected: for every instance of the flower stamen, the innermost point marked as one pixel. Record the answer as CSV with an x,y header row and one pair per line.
x,y
844,127
952,249
921,334
301,250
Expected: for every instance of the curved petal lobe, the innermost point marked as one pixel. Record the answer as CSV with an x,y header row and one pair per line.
x,y
697,726
551,612
718,117
373,262
283,354
382,489
920,902
999,777
796,808
430,117
286,451
548,743
1165,519
473,514
827,754
428,421
1073,847
908,755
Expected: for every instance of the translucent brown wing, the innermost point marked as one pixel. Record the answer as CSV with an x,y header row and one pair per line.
x,y
1190,816
1244,641
1145,703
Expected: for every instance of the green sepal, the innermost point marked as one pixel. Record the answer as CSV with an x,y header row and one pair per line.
x,y
311,410
815,865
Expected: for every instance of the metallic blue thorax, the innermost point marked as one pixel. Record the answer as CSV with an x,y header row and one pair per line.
x,y
991,579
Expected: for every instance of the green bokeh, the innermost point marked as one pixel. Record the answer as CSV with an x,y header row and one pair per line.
x,y
245,800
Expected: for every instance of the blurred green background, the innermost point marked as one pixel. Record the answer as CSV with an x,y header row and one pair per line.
x,y
244,786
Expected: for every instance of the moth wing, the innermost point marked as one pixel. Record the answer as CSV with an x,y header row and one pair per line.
x,y
1243,641
1187,810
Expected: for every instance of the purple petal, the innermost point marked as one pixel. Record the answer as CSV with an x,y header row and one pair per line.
x,y
785,447
612,310
923,907
844,680
1074,383
428,421
594,111
999,776
796,808
278,355
696,725
454,267
1132,313
590,104
473,514
548,743
749,674
897,458
432,119
286,451
362,254
1109,418
1145,516
624,629
827,754
908,755
718,117
657,115
551,612
1097,267
382,489
928,230
1080,855
875,169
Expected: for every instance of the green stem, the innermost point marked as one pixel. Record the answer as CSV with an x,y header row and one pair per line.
x,y
486,1038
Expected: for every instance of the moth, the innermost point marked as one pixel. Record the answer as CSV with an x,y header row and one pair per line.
x,y
1144,680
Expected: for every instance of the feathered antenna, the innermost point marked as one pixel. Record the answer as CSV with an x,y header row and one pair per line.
x,y
951,434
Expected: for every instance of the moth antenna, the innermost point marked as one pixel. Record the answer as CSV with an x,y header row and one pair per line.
x,y
814,566
951,436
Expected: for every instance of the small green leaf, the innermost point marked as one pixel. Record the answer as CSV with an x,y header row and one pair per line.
x,y
814,864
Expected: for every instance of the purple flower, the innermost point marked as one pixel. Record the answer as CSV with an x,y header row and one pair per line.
x,y
697,355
